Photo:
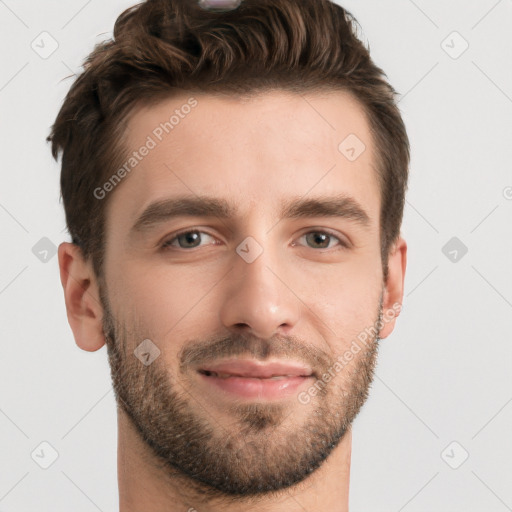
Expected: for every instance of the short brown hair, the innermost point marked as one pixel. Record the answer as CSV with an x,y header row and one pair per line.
x,y
161,45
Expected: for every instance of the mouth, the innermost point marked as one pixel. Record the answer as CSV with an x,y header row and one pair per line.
x,y
245,376
256,369
253,379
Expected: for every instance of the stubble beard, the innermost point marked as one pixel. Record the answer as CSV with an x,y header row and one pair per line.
x,y
263,452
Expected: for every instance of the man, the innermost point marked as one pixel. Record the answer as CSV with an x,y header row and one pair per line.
x,y
233,178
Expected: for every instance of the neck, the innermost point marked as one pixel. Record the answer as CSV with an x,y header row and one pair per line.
x,y
145,486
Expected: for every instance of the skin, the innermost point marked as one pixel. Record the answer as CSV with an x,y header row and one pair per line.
x,y
296,300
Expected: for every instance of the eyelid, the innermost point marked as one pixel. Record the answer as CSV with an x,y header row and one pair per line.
x,y
344,243
166,243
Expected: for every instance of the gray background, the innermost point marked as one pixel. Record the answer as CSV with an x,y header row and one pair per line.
x,y
443,388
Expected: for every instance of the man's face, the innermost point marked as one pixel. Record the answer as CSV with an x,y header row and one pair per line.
x,y
246,285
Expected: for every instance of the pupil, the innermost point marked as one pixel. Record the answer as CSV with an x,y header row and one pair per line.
x,y
189,237
321,239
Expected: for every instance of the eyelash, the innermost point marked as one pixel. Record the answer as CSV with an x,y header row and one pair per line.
x,y
167,244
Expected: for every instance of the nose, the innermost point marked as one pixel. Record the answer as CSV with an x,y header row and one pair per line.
x,y
260,299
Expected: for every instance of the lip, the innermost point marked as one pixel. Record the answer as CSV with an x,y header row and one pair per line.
x,y
249,379
257,369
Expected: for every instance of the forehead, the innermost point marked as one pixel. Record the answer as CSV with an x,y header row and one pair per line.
x,y
255,152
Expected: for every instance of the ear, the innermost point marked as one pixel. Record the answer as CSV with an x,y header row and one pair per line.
x,y
394,287
81,293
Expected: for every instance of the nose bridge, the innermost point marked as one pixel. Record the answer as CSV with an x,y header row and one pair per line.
x,y
258,299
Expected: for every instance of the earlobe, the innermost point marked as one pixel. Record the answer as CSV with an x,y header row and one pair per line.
x,y
394,287
81,294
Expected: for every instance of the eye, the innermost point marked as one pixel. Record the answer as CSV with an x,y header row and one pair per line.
x,y
322,240
187,239
192,238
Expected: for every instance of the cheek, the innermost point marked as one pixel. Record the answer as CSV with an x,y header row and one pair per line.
x,y
346,304
162,299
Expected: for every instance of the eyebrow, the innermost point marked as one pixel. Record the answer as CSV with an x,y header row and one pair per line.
x,y
340,206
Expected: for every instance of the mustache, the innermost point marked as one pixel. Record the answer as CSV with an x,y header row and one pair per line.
x,y
196,353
